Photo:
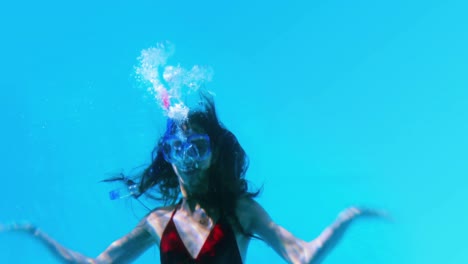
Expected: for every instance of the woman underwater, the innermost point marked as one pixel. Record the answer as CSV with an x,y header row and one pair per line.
x,y
209,216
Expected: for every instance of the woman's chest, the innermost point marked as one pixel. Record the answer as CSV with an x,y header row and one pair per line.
x,y
195,236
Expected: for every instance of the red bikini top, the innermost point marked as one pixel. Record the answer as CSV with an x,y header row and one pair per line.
x,y
219,248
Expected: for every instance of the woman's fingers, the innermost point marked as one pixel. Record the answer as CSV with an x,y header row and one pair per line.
x,y
27,227
354,212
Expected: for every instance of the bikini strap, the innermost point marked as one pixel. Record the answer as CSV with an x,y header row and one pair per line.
x,y
176,207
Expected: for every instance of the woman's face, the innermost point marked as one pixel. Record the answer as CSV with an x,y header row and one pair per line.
x,y
189,152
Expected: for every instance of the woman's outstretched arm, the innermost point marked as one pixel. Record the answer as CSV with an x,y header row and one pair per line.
x,y
291,248
330,237
123,250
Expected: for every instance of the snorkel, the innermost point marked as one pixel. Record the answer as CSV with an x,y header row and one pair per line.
x,y
175,90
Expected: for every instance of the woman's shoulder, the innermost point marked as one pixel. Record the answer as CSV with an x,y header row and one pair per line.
x,y
251,214
246,204
161,214
158,219
247,210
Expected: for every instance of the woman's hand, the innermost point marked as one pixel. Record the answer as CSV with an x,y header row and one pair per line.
x,y
331,235
21,227
352,213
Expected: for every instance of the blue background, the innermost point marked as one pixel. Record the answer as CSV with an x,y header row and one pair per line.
x,y
337,103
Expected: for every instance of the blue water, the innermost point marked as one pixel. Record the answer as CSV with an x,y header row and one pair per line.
x,y
336,102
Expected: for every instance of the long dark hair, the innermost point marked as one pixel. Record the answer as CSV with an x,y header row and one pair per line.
x,y
226,175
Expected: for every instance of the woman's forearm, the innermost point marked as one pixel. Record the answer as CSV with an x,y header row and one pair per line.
x,y
328,239
123,250
62,253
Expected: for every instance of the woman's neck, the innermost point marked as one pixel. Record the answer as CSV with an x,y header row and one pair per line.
x,y
196,210
190,192
191,204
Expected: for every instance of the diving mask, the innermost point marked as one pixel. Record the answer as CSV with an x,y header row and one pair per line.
x,y
186,152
